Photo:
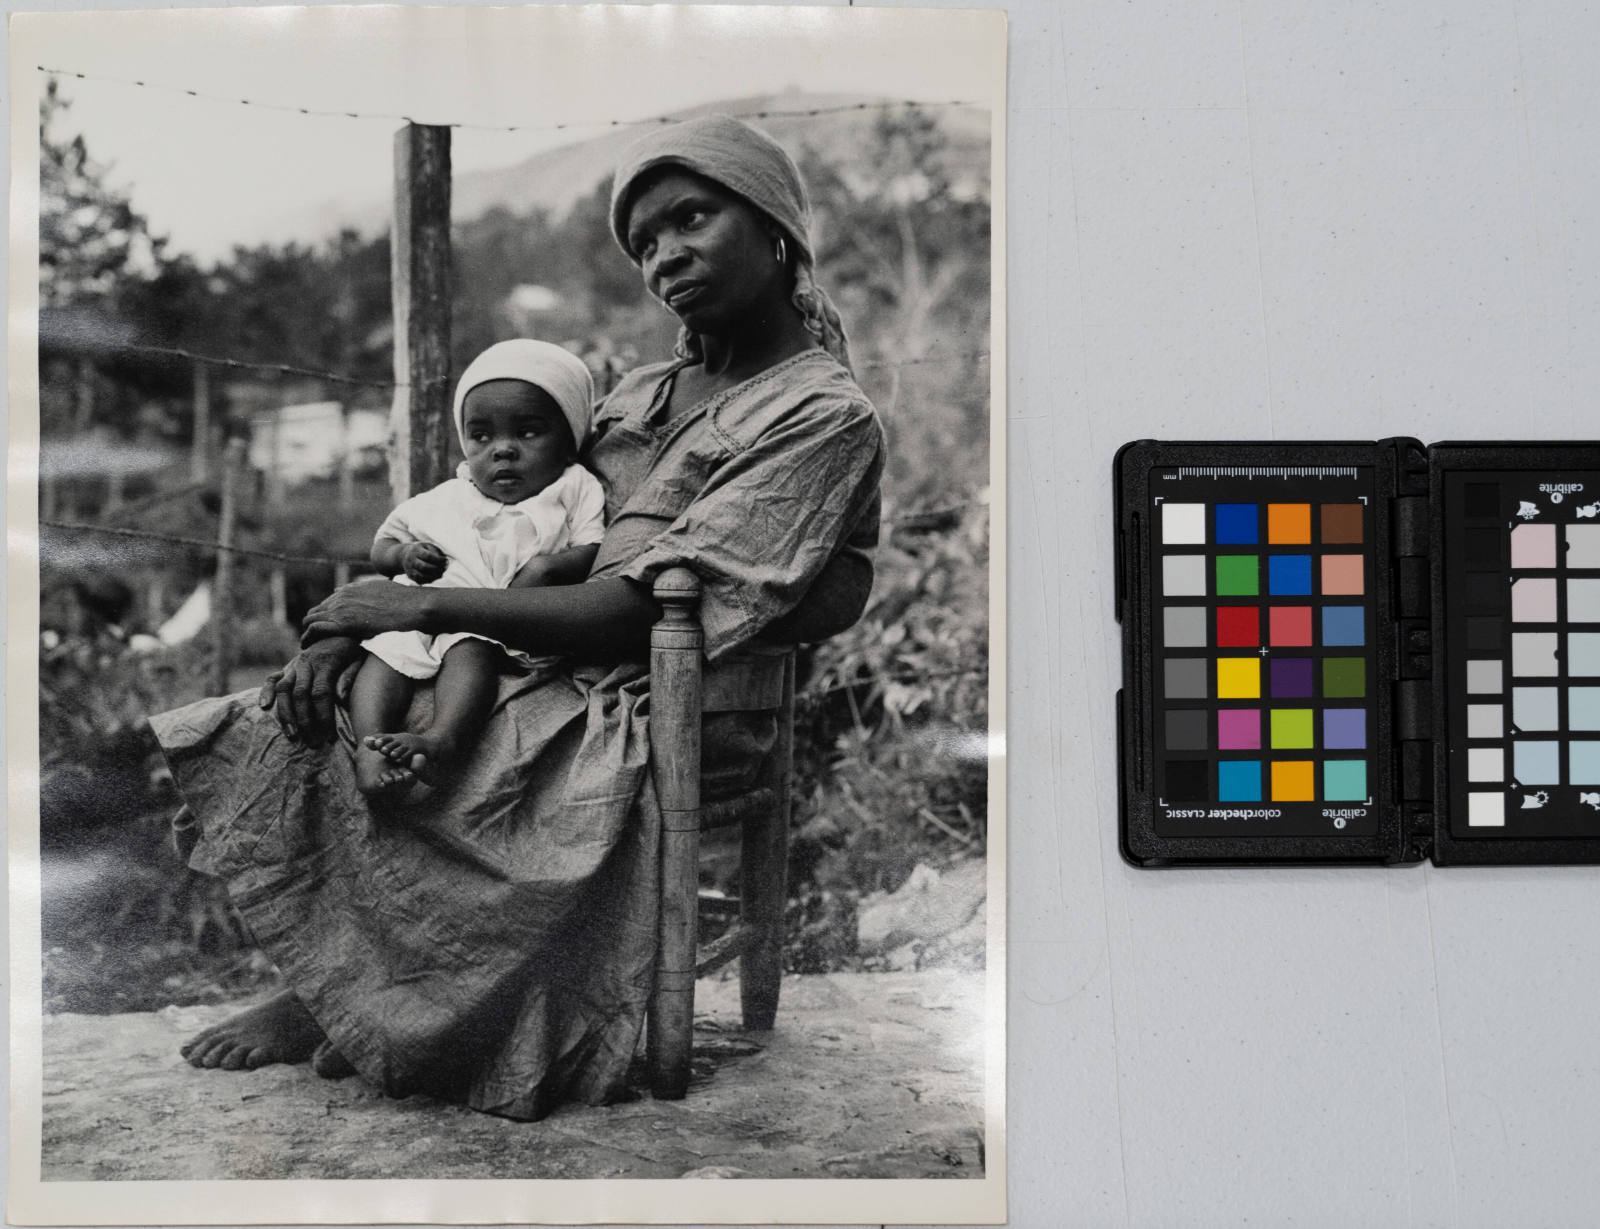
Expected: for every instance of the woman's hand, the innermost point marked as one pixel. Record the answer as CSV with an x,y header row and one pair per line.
x,y
364,609
302,695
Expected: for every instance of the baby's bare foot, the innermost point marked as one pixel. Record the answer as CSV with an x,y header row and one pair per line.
x,y
426,756
280,1030
377,776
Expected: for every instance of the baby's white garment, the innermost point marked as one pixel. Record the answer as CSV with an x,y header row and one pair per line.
x,y
486,543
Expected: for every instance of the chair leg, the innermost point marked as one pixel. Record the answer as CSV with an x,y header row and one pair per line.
x,y
675,762
764,859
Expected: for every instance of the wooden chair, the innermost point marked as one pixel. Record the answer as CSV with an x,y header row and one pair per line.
x,y
680,697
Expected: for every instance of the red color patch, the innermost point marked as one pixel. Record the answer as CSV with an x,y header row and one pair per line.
x,y
1289,625
1239,626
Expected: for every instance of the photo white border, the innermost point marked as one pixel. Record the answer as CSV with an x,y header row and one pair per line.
x,y
961,1201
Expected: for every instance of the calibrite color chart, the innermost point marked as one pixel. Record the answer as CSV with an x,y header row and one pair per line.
x,y
1263,588
1522,558
1359,652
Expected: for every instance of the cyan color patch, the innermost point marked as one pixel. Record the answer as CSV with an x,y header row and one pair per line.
x,y
1239,781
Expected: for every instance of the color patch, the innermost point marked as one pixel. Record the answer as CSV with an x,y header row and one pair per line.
x,y
1583,708
1293,781
1533,598
1533,546
1239,729
1344,780
1291,729
1486,721
1486,764
1183,575
1533,654
1535,708
1583,601
1238,678
1341,524
1184,627
1343,626
1344,678
1583,546
1187,730
1289,626
1342,576
1183,524
1239,781
1344,729
1238,576
1486,810
1236,525
1185,678
1187,781
1583,654
1484,677
1289,575
1238,626
1291,678
1536,763
1289,524
1585,758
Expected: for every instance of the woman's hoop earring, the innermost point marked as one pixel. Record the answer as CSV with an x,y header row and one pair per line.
x,y
783,252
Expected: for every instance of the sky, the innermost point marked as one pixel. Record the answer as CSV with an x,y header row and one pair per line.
x,y
210,172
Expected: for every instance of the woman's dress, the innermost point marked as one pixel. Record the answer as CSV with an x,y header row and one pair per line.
x,y
492,942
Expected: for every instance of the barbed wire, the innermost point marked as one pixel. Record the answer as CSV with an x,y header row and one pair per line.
x,y
202,543
393,117
246,365
369,382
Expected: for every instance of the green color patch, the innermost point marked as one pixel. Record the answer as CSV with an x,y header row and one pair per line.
x,y
1291,727
1238,575
1344,678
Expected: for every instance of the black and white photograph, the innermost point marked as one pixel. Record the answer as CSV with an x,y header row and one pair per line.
x,y
518,646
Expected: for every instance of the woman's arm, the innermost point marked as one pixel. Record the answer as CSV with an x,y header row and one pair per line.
x,y
564,567
604,620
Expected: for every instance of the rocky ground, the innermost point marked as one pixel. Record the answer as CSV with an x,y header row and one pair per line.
x,y
866,1075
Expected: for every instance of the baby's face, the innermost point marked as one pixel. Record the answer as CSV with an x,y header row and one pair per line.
x,y
517,439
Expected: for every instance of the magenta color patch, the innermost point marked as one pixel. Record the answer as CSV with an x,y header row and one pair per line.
x,y
1239,729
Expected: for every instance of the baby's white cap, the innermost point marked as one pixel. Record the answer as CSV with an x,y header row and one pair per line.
x,y
559,372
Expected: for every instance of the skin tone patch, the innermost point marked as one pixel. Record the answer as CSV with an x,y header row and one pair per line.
x,y
1341,525
1533,599
1342,575
1533,546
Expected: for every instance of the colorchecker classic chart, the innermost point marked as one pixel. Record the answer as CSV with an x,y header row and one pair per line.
x,y
1359,652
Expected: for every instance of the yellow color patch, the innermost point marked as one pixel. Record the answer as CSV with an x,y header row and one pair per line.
x,y
1289,524
1293,781
1238,678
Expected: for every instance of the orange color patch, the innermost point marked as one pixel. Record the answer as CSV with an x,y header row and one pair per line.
x,y
1289,524
1293,781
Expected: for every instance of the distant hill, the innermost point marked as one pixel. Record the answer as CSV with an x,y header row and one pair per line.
x,y
557,178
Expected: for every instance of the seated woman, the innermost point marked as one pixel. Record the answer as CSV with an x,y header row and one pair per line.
x,y
494,943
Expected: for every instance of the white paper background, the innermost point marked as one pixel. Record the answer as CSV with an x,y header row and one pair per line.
x,y
1258,220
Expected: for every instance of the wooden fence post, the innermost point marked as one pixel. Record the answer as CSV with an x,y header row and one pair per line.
x,y
222,614
419,422
200,446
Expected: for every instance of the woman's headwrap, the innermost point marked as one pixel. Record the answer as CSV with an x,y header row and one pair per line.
x,y
749,163
559,372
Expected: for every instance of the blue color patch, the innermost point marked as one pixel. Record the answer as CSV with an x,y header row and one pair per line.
x,y
1288,575
1237,524
1344,626
1239,781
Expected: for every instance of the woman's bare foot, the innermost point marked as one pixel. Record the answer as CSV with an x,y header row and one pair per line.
x,y
426,756
377,776
280,1030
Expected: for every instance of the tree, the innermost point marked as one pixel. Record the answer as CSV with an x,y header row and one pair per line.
x,y
90,235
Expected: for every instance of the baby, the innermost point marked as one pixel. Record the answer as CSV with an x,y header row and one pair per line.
x,y
520,511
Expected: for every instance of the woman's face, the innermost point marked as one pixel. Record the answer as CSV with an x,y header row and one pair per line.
x,y
517,440
705,253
